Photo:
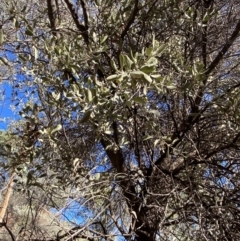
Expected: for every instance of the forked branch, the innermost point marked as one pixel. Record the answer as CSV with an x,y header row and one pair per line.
x,y
80,27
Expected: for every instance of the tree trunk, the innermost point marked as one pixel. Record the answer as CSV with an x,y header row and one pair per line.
x,y
4,204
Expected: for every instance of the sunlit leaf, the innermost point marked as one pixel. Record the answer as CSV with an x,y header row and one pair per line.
x,y
1,36
57,128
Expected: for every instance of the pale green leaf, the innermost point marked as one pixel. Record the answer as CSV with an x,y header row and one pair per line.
x,y
161,49
171,87
156,142
147,138
152,62
113,65
16,23
147,78
56,96
57,128
147,69
155,112
140,100
98,3
149,51
128,61
1,36
156,76
94,37
35,52
103,39
137,74
113,77
89,94
108,132
121,59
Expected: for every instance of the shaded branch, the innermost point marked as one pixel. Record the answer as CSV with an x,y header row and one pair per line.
x,y
130,20
115,155
212,66
85,13
80,27
52,13
194,115
10,232
224,50
221,148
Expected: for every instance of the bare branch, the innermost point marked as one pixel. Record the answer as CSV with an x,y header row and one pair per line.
x,y
115,156
221,148
224,50
10,232
130,19
52,12
80,27
85,13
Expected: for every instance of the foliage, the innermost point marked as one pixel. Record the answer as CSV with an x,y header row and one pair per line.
x,y
131,108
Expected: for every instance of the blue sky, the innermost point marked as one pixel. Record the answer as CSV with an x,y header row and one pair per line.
x,y
5,110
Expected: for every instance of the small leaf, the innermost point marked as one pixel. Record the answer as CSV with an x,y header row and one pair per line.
x,y
113,65
149,51
153,41
137,74
155,112
113,77
103,39
134,59
206,17
98,83
94,37
24,8
57,128
4,60
128,61
171,87
145,90
156,76
140,100
86,116
29,32
108,132
89,94
56,96
121,59
147,69
97,176
98,3
16,23
147,138
1,36
152,62
161,48
147,78
35,52
156,142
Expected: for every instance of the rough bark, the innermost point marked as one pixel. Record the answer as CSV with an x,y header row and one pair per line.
x,y
5,202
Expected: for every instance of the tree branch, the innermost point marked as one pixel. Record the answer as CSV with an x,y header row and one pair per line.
x,y
115,156
221,148
85,13
10,232
52,11
130,20
80,27
224,50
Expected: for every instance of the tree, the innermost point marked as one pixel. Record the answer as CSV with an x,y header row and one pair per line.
x,y
135,103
